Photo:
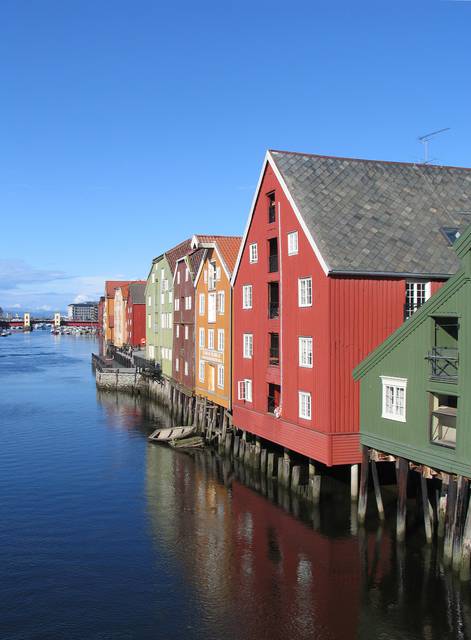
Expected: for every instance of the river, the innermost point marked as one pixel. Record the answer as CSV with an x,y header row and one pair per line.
x,y
104,536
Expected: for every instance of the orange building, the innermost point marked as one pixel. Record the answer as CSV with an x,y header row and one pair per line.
x,y
213,319
108,308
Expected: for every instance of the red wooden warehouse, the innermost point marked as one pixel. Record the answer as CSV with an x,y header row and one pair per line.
x,y
136,314
337,252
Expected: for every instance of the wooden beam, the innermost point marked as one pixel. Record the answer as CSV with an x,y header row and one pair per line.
x,y
402,473
377,488
460,517
363,500
450,519
465,572
426,509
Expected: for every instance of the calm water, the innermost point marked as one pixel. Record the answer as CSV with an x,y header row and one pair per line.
x,y
104,536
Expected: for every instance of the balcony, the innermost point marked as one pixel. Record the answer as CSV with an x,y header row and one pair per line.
x,y
444,364
273,300
274,351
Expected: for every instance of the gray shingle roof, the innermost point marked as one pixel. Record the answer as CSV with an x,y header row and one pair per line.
x,y
137,290
369,216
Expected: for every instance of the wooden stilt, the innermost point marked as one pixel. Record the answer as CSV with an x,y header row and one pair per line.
x,y
377,488
465,572
354,482
460,517
403,472
363,498
449,520
442,505
314,483
426,509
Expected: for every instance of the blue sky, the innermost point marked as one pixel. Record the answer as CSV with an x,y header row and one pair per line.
x,y
127,126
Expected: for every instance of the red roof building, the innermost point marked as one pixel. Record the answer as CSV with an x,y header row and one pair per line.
x,y
136,314
336,253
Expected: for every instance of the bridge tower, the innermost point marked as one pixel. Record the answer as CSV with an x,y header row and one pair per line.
x,y
26,322
57,320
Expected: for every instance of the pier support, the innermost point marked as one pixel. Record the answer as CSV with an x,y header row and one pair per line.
x,y
460,517
402,473
314,483
377,488
354,482
450,520
428,525
363,500
465,571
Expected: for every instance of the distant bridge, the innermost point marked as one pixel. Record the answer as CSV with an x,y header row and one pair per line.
x,y
27,322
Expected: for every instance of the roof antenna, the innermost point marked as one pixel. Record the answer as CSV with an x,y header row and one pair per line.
x,y
425,140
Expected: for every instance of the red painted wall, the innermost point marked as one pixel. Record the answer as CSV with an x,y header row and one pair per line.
x,y
183,349
136,329
348,318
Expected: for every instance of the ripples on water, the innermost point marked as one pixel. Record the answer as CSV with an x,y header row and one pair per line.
x,y
103,536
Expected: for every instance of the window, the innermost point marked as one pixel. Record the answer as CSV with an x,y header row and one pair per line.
x,y
416,294
187,274
177,364
248,345
188,303
292,243
186,368
245,390
305,352
152,277
273,255
177,330
274,397
178,277
274,351
162,298
210,338
394,398
201,304
305,292
304,405
443,414
211,307
271,207
212,275
186,332
162,275
220,339
221,376
201,340
253,253
201,372
221,302
170,297
177,304
247,296
149,321
205,276
451,234
273,300
149,301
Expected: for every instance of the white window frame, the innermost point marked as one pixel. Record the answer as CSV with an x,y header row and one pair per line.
x,y
149,321
220,339
247,348
211,339
149,301
177,304
187,274
201,338
305,352
162,298
253,253
221,376
417,299
201,304
177,330
212,304
221,301
202,370
245,390
247,296
177,365
178,277
396,411
186,368
186,332
305,288
293,248
305,405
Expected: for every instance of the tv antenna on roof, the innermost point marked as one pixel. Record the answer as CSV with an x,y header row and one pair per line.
x,y
425,140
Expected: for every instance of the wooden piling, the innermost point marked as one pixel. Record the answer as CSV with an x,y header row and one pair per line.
x,y
263,461
236,446
428,525
377,488
442,505
449,520
363,498
465,572
402,473
314,490
354,482
460,517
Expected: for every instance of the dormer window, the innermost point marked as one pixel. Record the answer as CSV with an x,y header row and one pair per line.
x,y
271,207
417,293
451,234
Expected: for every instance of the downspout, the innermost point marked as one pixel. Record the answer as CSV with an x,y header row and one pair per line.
x,y
281,306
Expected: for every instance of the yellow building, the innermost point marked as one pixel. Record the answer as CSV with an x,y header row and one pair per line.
x,y
213,319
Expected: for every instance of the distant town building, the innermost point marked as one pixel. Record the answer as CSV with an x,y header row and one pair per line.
x,y
83,311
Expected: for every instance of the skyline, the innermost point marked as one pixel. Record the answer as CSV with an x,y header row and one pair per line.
x,y
120,119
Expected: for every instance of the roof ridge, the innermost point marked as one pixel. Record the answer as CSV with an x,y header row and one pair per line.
x,y
391,162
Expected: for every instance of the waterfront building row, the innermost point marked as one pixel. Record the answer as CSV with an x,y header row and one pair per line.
x,y
336,255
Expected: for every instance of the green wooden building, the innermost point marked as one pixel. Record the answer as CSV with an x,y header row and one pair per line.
x,y
414,388
159,306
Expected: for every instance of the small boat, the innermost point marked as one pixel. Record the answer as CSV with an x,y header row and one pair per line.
x,y
172,433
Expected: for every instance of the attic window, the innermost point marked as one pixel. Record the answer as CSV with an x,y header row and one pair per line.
x,y
451,234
